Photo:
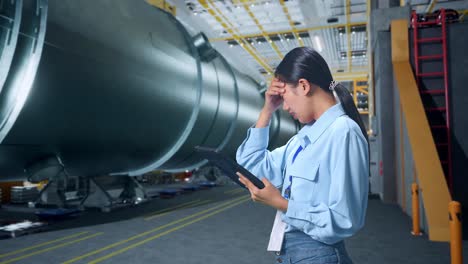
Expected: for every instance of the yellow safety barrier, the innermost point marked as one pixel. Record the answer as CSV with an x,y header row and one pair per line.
x,y
415,193
455,232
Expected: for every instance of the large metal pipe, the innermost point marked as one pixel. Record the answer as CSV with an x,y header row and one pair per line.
x,y
122,88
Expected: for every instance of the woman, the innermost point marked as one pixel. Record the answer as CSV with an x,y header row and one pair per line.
x,y
322,171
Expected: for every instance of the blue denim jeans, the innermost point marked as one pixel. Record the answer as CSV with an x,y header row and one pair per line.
x,y
299,248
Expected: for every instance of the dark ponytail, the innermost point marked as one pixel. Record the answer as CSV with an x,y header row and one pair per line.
x,y
306,63
349,107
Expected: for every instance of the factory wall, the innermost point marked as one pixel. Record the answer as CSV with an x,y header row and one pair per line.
x,y
384,112
458,80
383,183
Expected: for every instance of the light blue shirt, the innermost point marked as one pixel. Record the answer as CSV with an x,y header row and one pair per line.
x,y
329,176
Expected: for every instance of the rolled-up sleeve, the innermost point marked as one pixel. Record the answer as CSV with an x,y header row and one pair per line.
x,y
342,213
255,157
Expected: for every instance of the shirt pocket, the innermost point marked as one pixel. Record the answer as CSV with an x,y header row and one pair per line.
x,y
304,179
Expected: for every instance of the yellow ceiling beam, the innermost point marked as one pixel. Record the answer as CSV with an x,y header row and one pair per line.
x,y
349,76
264,34
164,5
290,32
291,23
431,6
344,76
345,79
362,71
362,89
245,44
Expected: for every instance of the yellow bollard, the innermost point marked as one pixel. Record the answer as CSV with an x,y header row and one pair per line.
x,y
415,196
455,232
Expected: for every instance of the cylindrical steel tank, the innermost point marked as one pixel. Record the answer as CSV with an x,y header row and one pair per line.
x,y
122,88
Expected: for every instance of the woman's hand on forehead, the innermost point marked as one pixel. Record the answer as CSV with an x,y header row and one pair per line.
x,y
274,95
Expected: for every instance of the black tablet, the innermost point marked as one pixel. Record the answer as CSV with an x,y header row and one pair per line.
x,y
228,166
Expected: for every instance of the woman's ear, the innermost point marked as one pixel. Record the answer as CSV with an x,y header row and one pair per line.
x,y
304,87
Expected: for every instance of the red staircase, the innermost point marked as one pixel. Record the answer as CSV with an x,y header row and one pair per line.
x,y
433,84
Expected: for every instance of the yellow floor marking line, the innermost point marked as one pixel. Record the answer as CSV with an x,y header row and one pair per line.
x,y
238,191
165,232
183,207
51,248
152,230
170,208
232,191
42,244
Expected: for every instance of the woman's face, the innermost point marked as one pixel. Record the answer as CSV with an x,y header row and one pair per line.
x,y
293,102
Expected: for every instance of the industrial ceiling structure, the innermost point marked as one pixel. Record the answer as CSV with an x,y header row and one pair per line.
x,y
262,32
258,33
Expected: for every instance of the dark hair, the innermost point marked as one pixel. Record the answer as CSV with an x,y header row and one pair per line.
x,y
306,63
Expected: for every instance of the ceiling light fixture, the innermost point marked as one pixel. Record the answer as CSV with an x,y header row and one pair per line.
x,y
318,43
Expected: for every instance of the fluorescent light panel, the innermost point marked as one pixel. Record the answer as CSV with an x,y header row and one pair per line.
x,y
318,43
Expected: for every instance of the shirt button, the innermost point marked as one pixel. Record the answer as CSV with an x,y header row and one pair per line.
x,y
279,260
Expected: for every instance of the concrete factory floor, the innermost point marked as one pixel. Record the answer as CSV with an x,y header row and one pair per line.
x,y
217,225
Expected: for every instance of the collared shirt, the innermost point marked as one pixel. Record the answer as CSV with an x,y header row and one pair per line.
x,y
329,176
